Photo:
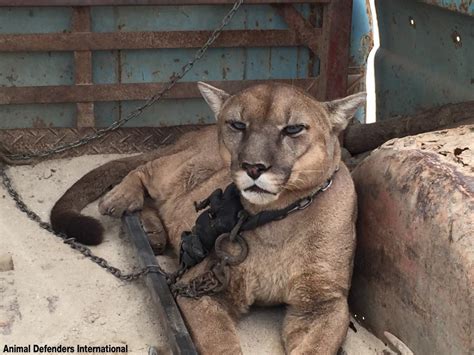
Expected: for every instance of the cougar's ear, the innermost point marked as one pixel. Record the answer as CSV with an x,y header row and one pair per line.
x,y
214,97
342,110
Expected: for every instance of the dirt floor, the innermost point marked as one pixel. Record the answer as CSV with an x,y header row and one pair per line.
x,y
54,295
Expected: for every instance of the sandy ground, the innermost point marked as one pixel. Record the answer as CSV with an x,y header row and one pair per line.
x,y
54,295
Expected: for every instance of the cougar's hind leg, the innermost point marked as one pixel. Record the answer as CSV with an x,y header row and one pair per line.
x,y
153,227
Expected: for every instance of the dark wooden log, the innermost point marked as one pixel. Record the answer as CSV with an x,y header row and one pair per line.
x,y
169,314
360,138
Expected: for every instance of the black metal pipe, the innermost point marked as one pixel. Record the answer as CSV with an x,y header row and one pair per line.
x,y
170,316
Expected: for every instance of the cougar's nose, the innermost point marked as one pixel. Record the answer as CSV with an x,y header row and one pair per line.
x,y
254,170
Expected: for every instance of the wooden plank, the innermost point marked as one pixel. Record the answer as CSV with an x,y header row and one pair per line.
x,y
143,2
146,40
119,92
81,22
169,314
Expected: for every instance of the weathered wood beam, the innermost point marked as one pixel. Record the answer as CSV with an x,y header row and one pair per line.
x,y
360,138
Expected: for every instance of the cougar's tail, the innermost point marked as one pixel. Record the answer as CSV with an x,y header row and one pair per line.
x,y
66,214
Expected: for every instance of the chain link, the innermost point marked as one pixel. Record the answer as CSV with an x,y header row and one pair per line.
x,y
7,183
138,111
214,280
71,241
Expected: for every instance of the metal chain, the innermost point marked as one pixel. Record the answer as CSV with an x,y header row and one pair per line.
x,y
70,241
138,111
170,278
214,280
217,278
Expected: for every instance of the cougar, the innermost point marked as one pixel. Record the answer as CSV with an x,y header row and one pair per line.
x,y
277,144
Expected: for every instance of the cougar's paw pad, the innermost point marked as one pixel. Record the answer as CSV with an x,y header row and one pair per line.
x,y
118,201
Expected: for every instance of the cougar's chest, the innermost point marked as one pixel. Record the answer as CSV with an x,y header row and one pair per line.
x,y
269,264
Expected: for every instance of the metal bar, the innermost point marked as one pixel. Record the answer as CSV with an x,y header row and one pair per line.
x,y
121,141
81,22
145,40
142,2
169,314
305,32
119,92
334,56
309,35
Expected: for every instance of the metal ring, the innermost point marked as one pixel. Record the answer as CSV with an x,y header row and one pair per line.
x,y
328,185
305,203
229,258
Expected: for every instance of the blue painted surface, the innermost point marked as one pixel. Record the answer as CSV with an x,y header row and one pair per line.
x,y
158,65
22,69
360,43
361,30
421,67
137,66
38,115
464,6
35,19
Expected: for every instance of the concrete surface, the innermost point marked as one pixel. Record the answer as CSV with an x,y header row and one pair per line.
x,y
53,295
414,272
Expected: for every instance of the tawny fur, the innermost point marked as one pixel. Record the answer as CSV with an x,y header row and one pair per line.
x,y
303,261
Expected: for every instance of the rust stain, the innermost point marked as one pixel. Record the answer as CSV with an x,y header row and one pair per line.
x,y
463,6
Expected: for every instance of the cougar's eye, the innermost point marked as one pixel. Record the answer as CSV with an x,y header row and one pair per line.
x,y
237,125
293,130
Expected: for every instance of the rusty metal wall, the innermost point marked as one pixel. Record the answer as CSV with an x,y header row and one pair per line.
x,y
65,67
20,69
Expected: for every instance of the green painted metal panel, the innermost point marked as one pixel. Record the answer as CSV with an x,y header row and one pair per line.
x,y
420,64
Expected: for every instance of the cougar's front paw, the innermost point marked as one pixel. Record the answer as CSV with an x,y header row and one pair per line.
x,y
120,200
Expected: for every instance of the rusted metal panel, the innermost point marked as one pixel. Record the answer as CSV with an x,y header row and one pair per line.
x,y
271,50
307,34
361,36
81,22
413,270
311,36
461,6
142,2
335,48
118,92
83,67
147,40
123,140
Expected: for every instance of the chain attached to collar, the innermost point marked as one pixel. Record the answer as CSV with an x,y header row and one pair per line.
x,y
217,278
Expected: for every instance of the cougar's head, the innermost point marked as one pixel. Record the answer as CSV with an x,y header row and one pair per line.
x,y
277,138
